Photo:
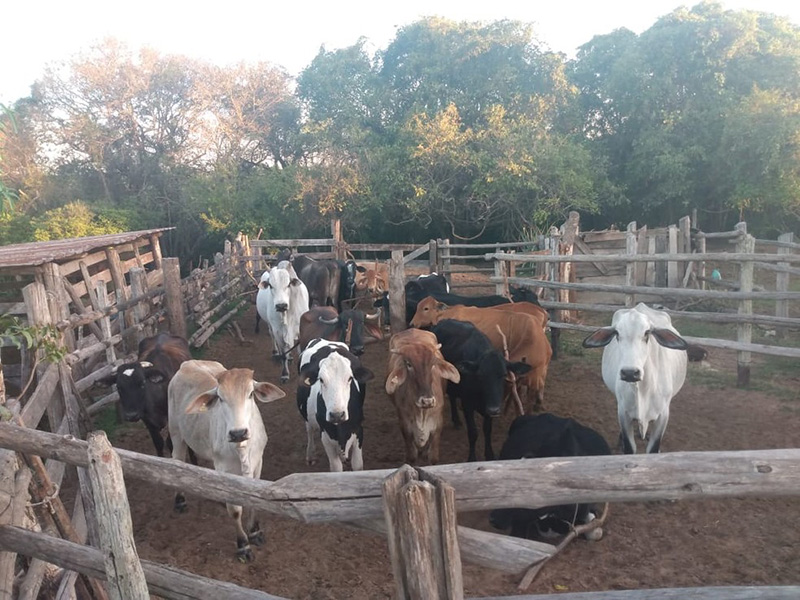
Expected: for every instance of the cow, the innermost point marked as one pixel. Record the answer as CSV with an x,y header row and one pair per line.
x,y
520,334
349,327
142,385
330,282
330,396
415,385
416,290
482,370
644,365
528,308
212,411
545,436
282,298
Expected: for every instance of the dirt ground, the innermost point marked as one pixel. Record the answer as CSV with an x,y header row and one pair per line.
x,y
646,545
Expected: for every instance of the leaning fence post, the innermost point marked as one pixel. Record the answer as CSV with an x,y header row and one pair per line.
x,y
672,267
501,276
782,281
421,521
124,571
173,297
397,294
745,245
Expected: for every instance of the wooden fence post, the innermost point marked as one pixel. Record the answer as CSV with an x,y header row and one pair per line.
x,y
500,272
684,241
141,310
421,521
662,247
745,245
433,256
640,269
444,257
782,282
630,267
124,571
673,280
701,265
173,297
397,292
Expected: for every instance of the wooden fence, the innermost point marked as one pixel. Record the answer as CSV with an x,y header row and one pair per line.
x,y
369,500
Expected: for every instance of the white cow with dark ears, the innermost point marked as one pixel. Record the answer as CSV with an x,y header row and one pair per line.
x,y
644,364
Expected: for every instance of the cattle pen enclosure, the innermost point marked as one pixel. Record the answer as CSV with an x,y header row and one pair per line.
x,y
357,498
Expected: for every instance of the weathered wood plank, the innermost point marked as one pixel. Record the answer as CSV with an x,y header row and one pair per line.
x,y
695,593
724,257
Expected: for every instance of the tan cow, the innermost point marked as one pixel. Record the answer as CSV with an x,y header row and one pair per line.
x,y
528,308
521,333
415,384
212,411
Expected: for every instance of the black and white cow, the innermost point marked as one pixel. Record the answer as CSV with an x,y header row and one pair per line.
x,y
483,371
330,396
142,385
545,436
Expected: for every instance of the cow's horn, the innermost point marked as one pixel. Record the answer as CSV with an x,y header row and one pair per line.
x,y
329,321
144,364
373,316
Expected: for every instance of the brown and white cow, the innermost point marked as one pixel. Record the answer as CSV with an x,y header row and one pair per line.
x,y
522,334
415,385
212,411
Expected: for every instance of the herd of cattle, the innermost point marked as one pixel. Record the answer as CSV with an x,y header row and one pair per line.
x,y
477,351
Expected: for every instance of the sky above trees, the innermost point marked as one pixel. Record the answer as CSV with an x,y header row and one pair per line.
x,y
290,34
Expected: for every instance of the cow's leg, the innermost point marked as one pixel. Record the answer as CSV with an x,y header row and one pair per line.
x,y
254,534
472,432
258,320
285,369
311,448
454,412
626,434
411,447
654,445
333,452
356,456
243,552
488,453
179,449
155,435
433,447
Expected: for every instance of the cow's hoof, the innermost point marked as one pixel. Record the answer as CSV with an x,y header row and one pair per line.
x,y
594,535
256,537
311,461
244,555
181,507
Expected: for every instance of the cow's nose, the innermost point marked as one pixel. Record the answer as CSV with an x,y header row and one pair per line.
x,y
357,350
282,307
426,401
630,375
238,435
493,412
131,416
336,417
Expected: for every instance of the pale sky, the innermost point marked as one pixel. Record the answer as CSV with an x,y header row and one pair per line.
x,y
34,33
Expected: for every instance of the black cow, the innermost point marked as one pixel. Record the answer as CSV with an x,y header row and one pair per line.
x,y
416,290
142,385
330,396
544,436
330,282
483,374
349,327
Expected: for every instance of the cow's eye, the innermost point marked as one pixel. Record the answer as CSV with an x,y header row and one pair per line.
x,y
321,381
408,364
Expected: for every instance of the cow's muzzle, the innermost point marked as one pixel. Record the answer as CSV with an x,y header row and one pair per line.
x,y
630,375
357,350
337,418
493,412
237,436
282,307
426,401
131,416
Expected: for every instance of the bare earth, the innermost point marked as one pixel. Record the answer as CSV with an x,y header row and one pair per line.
x,y
646,545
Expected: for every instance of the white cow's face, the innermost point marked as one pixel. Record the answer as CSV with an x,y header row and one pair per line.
x,y
334,379
633,336
279,282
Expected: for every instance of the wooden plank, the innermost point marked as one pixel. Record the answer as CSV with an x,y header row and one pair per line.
x,y
291,243
693,593
397,293
77,304
722,257
351,496
88,260
744,331
37,403
782,280
414,254
163,581
173,298
586,250
124,572
630,267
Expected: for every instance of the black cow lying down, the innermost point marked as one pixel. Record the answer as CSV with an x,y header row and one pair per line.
x,y
545,436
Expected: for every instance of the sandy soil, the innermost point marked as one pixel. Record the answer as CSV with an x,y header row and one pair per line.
x,y
646,545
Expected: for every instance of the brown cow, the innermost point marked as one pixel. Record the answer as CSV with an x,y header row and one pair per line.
x,y
415,384
529,308
372,279
522,334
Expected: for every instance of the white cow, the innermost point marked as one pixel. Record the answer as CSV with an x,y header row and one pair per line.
x,y
282,298
212,411
644,364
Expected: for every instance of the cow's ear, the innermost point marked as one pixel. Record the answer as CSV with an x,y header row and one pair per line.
x,y
362,374
395,379
601,337
373,330
441,306
307,377
448,371
518,368
669,339
263,391
295,281
202,402
361,269
108,380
